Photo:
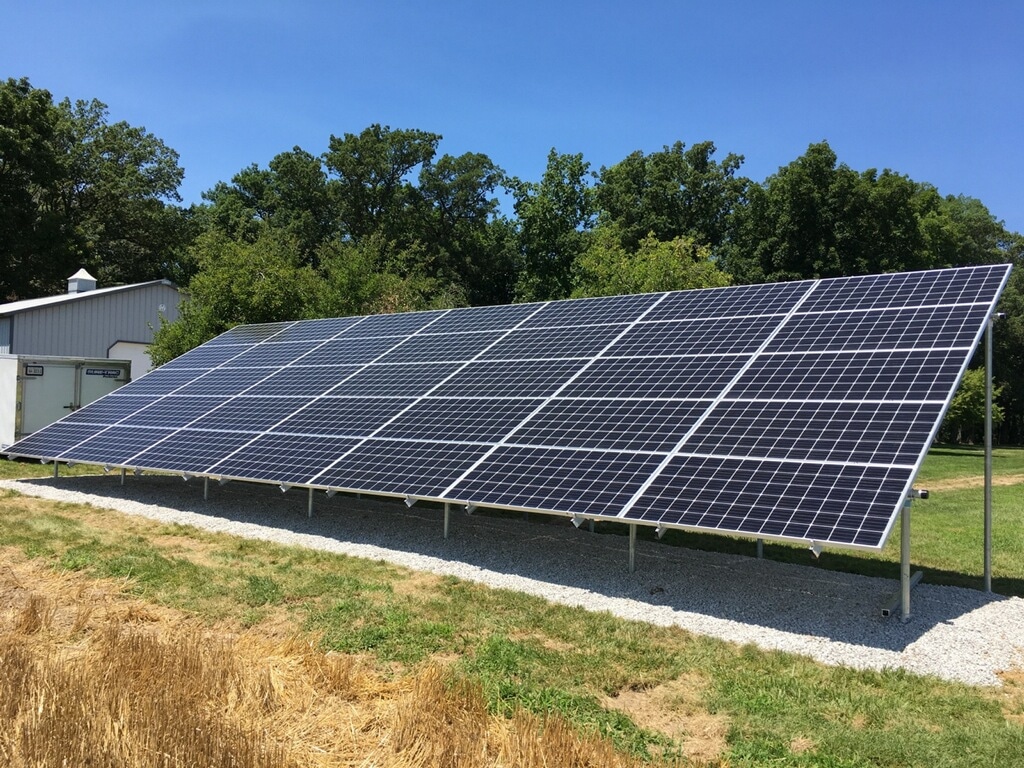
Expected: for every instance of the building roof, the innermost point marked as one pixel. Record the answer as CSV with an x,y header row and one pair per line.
x,y
14,307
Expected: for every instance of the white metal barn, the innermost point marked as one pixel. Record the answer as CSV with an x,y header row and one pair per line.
x,y
90,322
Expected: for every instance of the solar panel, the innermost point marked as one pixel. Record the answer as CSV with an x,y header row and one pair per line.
x,y
796,410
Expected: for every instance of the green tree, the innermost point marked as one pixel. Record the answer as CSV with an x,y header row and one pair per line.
x,y
554,218
238,283
77,190
372,185
290,196
607,269
677,192
965,419
818,218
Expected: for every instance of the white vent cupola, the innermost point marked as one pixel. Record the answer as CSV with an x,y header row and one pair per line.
x,y
81,281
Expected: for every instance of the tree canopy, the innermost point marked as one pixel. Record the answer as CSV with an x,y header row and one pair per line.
x,y
77,190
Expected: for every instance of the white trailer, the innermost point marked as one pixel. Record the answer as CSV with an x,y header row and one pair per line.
x,y
38,390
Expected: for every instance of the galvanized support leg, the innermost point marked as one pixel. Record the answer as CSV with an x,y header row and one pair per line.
x,y
56,470
632,547
447,515
206,488
988,457
905,561
309,508
760,549
907,581
124,471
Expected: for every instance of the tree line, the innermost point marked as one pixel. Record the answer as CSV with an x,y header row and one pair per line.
x,y
382,221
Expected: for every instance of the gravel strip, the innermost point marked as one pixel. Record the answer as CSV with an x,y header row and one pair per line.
x,y
954,633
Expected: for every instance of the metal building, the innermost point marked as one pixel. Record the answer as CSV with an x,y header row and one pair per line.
x,y
90,322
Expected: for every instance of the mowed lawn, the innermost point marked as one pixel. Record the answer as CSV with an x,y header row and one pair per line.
x,y
657,695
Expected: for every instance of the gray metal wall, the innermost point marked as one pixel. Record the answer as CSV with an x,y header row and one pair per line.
x,y
87,327
5,335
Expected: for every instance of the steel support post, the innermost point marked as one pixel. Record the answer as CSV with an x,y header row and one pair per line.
x,y
632,547
206,488
124,471
988,457
760,549
56,470
447,515
905,561
309,508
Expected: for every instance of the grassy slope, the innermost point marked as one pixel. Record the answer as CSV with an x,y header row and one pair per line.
x,y
530,654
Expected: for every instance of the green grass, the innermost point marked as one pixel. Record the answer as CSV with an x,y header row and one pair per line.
x,y
781,709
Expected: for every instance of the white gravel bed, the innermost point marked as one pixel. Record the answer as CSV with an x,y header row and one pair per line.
x,y
954,633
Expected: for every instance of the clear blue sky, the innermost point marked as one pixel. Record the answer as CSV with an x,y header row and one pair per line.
x,y
932,89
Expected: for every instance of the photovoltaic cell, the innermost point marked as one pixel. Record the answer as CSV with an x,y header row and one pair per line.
x,y
283,458
621,425
116,445
581,482
343,416
459,419
795,410
191,450
393,466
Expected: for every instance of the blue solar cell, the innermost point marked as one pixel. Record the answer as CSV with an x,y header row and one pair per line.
x,y
116,445
438,348
694,337
496,318
247,413
874,432
556,480
843,504
271,354
622,425
53,441
553,343
400,325
656,377
172,411
861,376
599,311
459,419
343,416
283,458
249,334
207,356
191,450
300,380
740,301
524,378
349,351
398,380
109,410
399,467
159,382
225,382
915,328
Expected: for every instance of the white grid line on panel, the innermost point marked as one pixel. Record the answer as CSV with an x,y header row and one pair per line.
x,y
448,491
724,393
271,372
452,375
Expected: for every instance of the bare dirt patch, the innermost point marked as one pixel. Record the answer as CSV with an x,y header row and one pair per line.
x,y
677,709
974,481
1011,694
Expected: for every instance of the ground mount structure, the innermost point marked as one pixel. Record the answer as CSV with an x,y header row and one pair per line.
x,y
798,411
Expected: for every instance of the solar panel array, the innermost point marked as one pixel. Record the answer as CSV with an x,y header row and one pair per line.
x,y
794,410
